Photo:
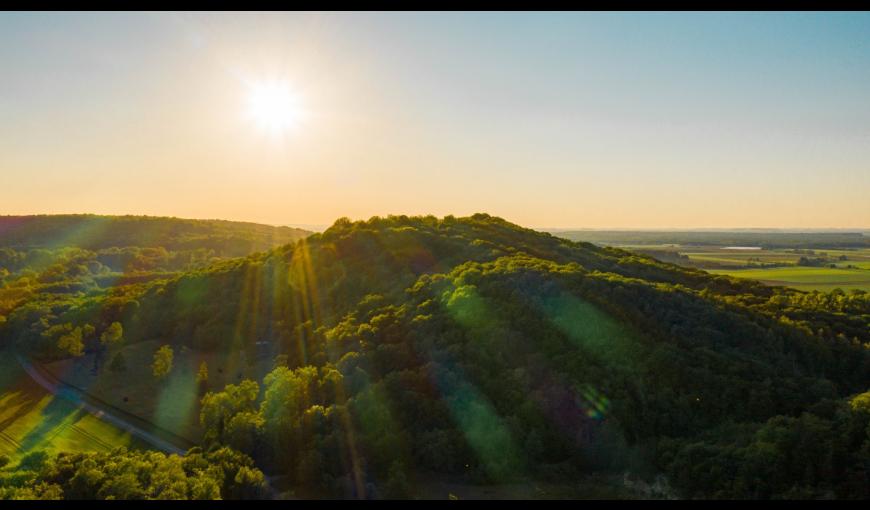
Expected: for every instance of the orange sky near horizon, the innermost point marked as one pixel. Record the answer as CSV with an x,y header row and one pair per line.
x,y
587,121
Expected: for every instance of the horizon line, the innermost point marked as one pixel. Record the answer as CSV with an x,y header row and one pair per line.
x,y
324,226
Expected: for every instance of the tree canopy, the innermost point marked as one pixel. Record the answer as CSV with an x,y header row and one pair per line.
x,y
480,350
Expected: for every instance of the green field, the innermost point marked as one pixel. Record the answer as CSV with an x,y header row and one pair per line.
x,y
32,419
708,257
806,278
852,273
773,266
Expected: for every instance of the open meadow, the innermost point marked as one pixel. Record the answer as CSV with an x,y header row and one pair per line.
x,y
32,419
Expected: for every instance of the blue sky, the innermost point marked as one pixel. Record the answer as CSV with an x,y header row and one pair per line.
x,y
547,119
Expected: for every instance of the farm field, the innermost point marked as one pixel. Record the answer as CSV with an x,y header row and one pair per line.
x,y
851,273
856,258
837,268
806,278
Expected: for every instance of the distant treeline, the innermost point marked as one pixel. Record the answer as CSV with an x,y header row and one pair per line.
x,y
769,240
72,255
92,232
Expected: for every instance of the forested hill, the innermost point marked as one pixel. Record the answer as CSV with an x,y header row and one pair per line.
x,y
93,232
474,349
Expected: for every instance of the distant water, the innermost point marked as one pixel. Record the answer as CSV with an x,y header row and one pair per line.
x,y
742,248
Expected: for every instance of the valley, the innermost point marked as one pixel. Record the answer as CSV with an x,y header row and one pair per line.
x,y
805,261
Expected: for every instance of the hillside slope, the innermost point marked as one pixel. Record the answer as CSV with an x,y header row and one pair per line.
x,y
58,258
474,348
94,232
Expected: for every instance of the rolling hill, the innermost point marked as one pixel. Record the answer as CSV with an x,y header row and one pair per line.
x,y
404,348
94,232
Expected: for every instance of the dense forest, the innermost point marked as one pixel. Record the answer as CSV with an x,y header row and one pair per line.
x,y
468,348
218,474
56,257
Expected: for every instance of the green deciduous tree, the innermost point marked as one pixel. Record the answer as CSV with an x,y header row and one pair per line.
x,y
129,475
162,362
72,342
113,335
218,409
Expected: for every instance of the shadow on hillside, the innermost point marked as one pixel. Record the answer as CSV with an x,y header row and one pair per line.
x,y
21,404
55,417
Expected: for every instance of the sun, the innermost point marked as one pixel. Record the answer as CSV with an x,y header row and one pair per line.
x,y
275,107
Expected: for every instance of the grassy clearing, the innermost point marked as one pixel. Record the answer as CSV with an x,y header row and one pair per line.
x,y
33,419
171,403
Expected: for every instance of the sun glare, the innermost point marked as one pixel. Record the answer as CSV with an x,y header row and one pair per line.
x,y
275,107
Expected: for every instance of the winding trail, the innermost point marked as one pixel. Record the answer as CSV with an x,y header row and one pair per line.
x,y
62,390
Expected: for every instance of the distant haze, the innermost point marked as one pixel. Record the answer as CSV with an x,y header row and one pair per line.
x,y
760,230
605,120
306,226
